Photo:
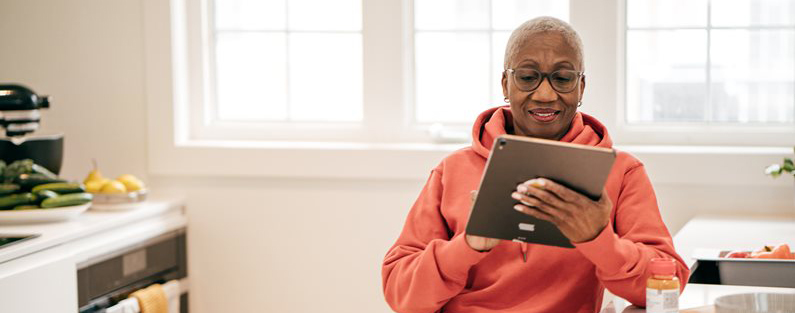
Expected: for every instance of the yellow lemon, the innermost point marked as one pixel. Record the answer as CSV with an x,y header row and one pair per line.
x,y
131,182
124,177
96,185
113,186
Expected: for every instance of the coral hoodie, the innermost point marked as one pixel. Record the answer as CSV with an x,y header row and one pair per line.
x,y
432,269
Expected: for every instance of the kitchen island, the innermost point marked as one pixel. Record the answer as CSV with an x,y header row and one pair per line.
x,y
725,232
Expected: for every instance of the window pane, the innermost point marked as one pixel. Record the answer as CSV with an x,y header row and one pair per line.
x,y
325,77
666,76
666,13
753,75
753,12
250,76
326,15
452,76
499,40
250,14
451,14
508,14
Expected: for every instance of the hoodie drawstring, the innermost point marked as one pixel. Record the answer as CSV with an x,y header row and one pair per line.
x,y
524,251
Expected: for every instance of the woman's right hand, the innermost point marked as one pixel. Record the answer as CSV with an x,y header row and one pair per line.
x,y
479,243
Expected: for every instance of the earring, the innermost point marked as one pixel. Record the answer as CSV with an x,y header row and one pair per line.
x,y
506,100
579,104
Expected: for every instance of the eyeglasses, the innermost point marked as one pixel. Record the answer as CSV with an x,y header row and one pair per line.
x,y
562,81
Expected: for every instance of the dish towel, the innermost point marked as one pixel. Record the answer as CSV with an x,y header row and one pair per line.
x,y
129,305
172,290
151,299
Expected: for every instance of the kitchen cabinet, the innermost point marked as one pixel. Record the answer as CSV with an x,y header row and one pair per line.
x,y
40,282
40,275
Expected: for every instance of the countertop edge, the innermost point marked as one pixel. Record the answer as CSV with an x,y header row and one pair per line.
x,y
87,224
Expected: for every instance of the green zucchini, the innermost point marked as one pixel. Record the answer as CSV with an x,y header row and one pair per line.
x,y
26,207
67,200
28,181
42,195
7,189
61,188
11,201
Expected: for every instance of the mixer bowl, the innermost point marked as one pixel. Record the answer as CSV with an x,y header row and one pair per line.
x,y
44,150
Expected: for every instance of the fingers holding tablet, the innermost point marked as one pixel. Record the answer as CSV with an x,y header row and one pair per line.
x,y
578,217
534,212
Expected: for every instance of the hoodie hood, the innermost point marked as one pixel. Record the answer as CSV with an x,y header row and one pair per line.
x,y
584,130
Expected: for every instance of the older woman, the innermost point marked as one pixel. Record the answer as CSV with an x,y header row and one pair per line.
x,y
435,267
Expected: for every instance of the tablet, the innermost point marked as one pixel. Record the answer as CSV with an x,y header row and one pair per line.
x,y
516,159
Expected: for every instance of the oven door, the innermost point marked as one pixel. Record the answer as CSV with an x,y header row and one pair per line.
x,y
105,280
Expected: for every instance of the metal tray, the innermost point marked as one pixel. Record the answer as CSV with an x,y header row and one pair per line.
x,y
712,268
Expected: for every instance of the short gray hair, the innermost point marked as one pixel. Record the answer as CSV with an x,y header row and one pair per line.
x,y
540,25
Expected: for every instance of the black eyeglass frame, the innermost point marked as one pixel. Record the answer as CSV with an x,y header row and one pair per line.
x,y
547,76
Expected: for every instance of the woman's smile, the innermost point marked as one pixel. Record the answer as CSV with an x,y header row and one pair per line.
x,y
544,115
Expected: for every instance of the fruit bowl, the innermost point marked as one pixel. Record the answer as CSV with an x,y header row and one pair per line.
x,y
118,201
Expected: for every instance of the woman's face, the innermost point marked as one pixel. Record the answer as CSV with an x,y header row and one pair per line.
x,y
543,112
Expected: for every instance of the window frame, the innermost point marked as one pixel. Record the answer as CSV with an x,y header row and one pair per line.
x,y
203,122
171,151
379,122
716,134
384,50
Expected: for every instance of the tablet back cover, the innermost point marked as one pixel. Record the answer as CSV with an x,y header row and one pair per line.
x,y
516,159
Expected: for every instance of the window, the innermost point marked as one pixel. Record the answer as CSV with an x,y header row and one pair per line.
x,y
401,67
314,69
391,72
710,62
459,48
277,61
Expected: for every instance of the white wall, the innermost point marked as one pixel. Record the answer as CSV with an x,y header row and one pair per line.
x,y
87,55
290,245
255,244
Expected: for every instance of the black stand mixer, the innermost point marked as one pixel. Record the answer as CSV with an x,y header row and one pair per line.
x,y
19,117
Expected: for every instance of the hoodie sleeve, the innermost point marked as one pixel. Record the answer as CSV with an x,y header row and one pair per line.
x,y
622,251
425,268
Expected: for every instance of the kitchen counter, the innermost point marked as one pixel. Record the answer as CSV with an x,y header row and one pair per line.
x,y
86,224
725,232
697,298
734,232
47,267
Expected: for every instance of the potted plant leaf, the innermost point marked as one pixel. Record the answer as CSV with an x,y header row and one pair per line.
x,y
786,167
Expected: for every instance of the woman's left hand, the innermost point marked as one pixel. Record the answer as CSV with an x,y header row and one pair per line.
x,y
578,217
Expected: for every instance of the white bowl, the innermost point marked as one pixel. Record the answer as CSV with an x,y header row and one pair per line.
x,y
42,215
756,303
118,201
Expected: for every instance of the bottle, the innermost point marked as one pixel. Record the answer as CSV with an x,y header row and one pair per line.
x,y
662,287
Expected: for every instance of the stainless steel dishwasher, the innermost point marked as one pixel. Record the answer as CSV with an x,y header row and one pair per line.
x,y
105,280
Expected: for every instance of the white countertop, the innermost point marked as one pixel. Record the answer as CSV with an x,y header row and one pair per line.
x,y
734,232
88,223
724,232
